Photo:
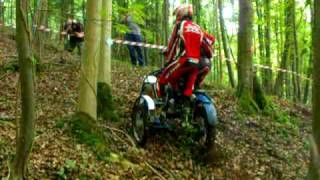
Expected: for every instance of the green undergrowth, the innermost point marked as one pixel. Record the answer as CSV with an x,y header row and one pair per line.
x,y
86,131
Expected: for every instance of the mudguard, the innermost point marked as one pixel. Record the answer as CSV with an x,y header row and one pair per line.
x,y
149,101
208,105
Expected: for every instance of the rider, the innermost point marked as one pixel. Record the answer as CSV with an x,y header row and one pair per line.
x,y
205,60
184,51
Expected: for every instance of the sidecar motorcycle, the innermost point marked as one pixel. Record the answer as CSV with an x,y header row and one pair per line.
x,y
198,116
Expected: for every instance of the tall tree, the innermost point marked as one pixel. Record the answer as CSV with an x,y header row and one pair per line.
x,y
225,45
25,131
245,51
197,10
249,92
267,74
314,170
287,50
1,12
104,74
165,21
90,59
41,22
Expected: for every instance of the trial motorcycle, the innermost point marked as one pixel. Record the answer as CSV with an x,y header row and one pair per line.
x,y
197,116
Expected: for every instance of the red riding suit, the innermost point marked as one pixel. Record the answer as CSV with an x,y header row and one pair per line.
x,y
183,56
206,56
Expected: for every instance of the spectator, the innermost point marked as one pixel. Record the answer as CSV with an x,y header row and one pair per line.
x,y
134,35
76,34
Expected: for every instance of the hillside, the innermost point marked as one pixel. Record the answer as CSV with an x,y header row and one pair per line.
x,y
273,146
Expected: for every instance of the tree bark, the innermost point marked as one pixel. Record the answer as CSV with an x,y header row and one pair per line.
x,y
225,46
42,18
165,21
90,59
267,74
197,10
105,103
104,75
2,12
315,159
245,54
25,131
287,53
307,85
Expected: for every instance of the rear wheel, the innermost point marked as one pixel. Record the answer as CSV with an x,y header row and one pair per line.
x,y
206,132
140,118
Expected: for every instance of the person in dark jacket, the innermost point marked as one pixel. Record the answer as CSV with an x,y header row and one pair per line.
x,y
134,35
75,31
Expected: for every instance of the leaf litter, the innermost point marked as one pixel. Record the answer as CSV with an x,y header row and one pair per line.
x,y
248,147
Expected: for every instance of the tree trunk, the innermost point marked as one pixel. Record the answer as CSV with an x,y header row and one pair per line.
x,y
260,32
42,18
225,46
90,59
288,52
245,50
296,61
197,10
315,159
25,131
105,104
1,13
267,74
165,21
307,85
251,96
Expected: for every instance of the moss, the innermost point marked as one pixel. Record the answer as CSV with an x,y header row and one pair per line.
x,y
106,108
86,131
260,98
246,102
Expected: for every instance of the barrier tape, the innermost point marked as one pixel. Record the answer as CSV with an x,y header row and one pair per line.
x,y
110,42
302,76
140,44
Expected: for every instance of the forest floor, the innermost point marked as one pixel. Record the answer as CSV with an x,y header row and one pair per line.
x,y
273,146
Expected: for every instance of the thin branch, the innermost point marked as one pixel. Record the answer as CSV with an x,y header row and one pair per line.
x,y
121,131
155,171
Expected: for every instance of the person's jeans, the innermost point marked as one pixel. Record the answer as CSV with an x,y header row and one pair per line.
x,y
134,49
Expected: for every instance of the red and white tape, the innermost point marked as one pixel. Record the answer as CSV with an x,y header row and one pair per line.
x,y
140,44
110,42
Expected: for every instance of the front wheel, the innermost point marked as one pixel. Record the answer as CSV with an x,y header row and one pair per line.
x,y
140,116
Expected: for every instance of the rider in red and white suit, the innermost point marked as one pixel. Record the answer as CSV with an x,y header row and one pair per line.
x,y
184,51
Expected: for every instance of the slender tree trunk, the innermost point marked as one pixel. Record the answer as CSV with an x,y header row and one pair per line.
x,y
1,12
307,86
225,46
104,75
219,48
314,170
245,53
296,63
105,104
260,33
165,21
25,131
197,10
287,53
90,59
42,18
267,74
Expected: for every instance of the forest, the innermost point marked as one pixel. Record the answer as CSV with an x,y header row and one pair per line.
x,y
160,89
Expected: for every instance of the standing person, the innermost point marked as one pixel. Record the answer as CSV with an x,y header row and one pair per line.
x,y
76,34
134,35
